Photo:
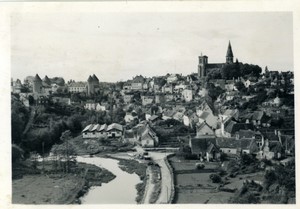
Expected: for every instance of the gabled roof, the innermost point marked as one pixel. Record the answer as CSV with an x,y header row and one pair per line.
x,y
247,134
233,127
257,115
246,143
77,84
204,115
201,144
138,79
275,146
115,126
227,143
95,127
88,127
129,134
37,78
90,79
47,80
153,117
95,78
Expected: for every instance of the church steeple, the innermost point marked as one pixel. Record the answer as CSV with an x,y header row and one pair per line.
x,y
229,55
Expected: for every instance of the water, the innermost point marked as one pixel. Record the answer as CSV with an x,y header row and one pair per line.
x,y
120,190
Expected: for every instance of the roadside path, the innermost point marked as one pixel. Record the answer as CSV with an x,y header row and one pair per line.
x,y
166,178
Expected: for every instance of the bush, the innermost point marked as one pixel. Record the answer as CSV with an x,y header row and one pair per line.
x,y
200,166
215,178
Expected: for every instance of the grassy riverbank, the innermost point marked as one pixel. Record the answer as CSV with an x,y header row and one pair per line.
x,y
32,185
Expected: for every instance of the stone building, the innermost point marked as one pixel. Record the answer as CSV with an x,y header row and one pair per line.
x,y
204,67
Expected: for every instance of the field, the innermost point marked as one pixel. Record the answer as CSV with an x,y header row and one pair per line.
x,y
195,186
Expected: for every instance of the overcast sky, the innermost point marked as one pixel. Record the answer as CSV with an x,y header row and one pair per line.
x,y
118,46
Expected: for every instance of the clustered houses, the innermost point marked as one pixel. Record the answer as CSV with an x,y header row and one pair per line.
x,y
249,113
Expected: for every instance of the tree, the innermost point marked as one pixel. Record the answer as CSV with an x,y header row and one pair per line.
x,y
230,71
67,150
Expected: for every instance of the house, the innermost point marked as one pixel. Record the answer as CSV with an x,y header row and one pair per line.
x,y
153,118
179,87
127,86
204,147
167,88
270,150
205,106
145,135
178,116
169,97
114,130
209,118
129,137
228,145
90,106
87,131
168,114
248,146
75,87
159,98
173,78
204,129
127,98
129,117
137,83
16,86
249,134
100,107
229,86
187,95
62,100
147,99
230,127
148,138
231,113
218,82
257,118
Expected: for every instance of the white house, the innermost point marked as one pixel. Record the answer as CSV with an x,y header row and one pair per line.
x,y
114,130
187,95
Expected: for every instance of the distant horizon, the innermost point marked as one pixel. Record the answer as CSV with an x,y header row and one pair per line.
x,y
119,46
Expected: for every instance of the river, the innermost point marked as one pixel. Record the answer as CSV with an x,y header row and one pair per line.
x,y
120,190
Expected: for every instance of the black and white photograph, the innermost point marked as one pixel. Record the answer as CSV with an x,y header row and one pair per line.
x,y
116,107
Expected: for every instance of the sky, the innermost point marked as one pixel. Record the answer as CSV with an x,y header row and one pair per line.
x,y
118,46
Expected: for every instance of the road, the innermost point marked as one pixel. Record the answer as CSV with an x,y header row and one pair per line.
x,y
166,178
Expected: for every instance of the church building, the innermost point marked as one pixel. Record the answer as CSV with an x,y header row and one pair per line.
x,y
204,67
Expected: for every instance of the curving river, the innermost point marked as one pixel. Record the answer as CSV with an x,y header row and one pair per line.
x,y
120,190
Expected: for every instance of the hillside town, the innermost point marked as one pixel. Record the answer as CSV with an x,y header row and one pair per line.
x,y
222,134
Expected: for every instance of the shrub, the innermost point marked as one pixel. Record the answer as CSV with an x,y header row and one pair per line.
x,y
215,178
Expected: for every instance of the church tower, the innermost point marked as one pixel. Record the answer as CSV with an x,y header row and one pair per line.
x,y
201,66
229,55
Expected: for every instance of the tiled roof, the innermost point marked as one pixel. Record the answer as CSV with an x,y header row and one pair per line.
x,y
201,144
115,126
257,115
227,143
